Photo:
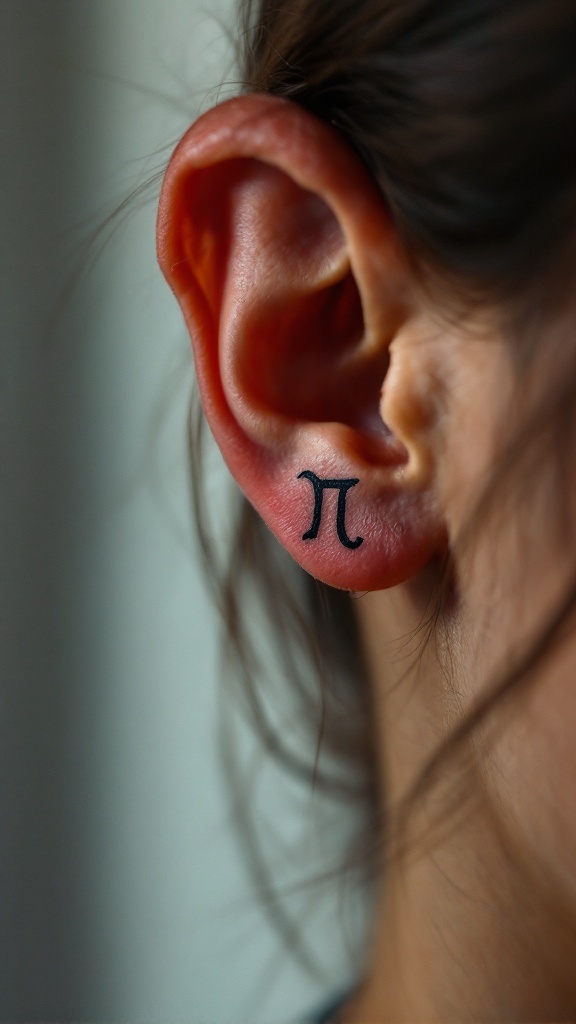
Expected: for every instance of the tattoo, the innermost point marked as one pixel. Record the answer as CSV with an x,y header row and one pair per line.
x,y
319,485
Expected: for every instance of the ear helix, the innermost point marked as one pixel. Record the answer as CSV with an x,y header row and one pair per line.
x,y
280,251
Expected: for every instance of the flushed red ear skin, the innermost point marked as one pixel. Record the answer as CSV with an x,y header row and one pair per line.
x,y
276,242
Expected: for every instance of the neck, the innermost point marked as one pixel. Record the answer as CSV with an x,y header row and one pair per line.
x,y
463,930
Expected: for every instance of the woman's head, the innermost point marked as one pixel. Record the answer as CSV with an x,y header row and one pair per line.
x,y
461,112
375,264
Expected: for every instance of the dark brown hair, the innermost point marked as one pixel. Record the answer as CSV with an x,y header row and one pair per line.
x,y
464,113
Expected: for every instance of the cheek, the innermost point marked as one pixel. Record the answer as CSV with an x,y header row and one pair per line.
x,y
475,424
512,553
512,577
519,574
481,383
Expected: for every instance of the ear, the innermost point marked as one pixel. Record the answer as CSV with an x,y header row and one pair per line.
x,y
279,249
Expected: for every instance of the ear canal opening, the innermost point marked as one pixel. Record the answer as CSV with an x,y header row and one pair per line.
x,y
352,390
352,384
312,368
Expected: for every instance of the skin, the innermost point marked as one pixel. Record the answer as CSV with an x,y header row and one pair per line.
x,y
317,349
482,925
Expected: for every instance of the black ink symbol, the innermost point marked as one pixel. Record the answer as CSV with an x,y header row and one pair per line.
x,y
319,485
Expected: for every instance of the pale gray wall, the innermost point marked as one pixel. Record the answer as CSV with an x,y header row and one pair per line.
x,y
123,896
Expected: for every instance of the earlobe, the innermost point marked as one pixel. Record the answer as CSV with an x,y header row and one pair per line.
x,y
280,251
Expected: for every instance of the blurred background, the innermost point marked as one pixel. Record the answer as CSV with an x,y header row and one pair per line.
x,y
123,894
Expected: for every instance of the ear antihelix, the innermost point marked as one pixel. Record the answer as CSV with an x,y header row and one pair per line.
x,y
282,256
